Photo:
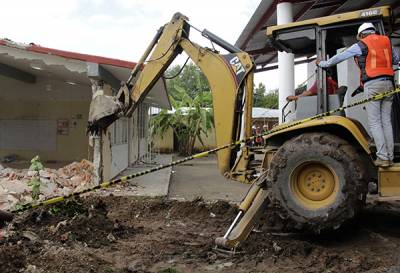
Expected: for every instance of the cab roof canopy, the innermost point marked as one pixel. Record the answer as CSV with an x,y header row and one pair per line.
x,y
253,38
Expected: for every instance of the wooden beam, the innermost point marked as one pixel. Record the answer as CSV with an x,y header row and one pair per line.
x,y
335,8
275,66
263,50
267,14
266,62
16,74
306,8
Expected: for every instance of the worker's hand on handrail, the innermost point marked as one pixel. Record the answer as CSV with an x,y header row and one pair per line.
x,y
317,61
292,98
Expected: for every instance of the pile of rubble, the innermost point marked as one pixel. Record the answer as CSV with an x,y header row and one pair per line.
x,y
15,189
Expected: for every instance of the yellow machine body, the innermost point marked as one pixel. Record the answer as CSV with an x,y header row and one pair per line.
x,y
383,11
339,123
389,181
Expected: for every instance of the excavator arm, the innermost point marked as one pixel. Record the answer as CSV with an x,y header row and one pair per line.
x,y
230,77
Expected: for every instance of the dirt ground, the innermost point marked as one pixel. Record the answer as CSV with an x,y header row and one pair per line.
x,y
108,233
133,234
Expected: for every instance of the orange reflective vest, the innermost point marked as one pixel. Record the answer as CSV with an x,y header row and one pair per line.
x,y
376,58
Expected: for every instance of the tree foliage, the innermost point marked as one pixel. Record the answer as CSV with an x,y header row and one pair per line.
x,y
191,99
261,98
191,79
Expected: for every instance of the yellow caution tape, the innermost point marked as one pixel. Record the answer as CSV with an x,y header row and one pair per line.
x,y
202,154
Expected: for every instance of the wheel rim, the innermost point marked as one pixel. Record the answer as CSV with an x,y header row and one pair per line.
x,y
314,185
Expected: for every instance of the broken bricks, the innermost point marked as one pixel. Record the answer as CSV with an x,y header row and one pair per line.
x,y
14,188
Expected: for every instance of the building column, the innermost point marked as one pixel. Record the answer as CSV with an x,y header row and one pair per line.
x,y
285,62
96,141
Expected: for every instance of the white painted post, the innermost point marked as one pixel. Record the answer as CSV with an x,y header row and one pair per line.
x,y
96,140
285,62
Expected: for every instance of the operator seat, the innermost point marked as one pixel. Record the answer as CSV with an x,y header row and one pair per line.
x,y
307,106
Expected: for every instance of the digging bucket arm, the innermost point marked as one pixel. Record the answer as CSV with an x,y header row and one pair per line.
x,y
251,208
226,75
230,77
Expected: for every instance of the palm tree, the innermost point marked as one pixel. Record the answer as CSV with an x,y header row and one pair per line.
x,y
189,122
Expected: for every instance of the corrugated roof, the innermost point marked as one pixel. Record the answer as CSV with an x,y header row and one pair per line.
x,y
259,112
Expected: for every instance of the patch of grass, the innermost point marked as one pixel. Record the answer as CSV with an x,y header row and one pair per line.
x,y
68,208
35,184
36,166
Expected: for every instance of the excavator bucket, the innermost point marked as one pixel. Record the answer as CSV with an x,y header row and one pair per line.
x,y
104,109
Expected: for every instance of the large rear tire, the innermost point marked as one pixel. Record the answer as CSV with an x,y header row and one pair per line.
x,y
318,180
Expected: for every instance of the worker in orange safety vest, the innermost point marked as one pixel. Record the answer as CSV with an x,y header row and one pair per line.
x,y
375,57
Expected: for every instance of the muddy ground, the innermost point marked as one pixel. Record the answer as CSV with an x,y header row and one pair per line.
x,y
132,234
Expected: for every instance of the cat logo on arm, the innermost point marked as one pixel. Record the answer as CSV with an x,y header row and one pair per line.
x,y
237,65
370,13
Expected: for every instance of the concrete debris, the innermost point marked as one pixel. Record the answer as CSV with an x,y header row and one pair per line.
x,y
54,229
111,237
276,247
31,269
44,174
31,173
14,188
30,235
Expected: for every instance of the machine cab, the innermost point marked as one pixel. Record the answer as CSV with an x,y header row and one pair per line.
x,y
322,38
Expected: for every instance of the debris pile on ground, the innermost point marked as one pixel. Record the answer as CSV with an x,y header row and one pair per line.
x,y
16,187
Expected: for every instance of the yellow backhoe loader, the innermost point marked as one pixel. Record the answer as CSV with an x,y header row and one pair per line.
x,y
319,171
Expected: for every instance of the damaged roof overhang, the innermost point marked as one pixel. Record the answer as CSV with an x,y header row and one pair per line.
x,y
253,37
28,62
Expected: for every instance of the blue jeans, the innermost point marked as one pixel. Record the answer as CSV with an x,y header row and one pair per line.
x,y
379,118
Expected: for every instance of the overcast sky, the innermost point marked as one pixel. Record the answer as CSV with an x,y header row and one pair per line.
x,y
119,28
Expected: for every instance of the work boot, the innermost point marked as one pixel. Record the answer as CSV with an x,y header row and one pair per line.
x,y
382,163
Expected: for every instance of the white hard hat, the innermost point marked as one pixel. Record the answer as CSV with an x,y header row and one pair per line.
x,y
364,27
